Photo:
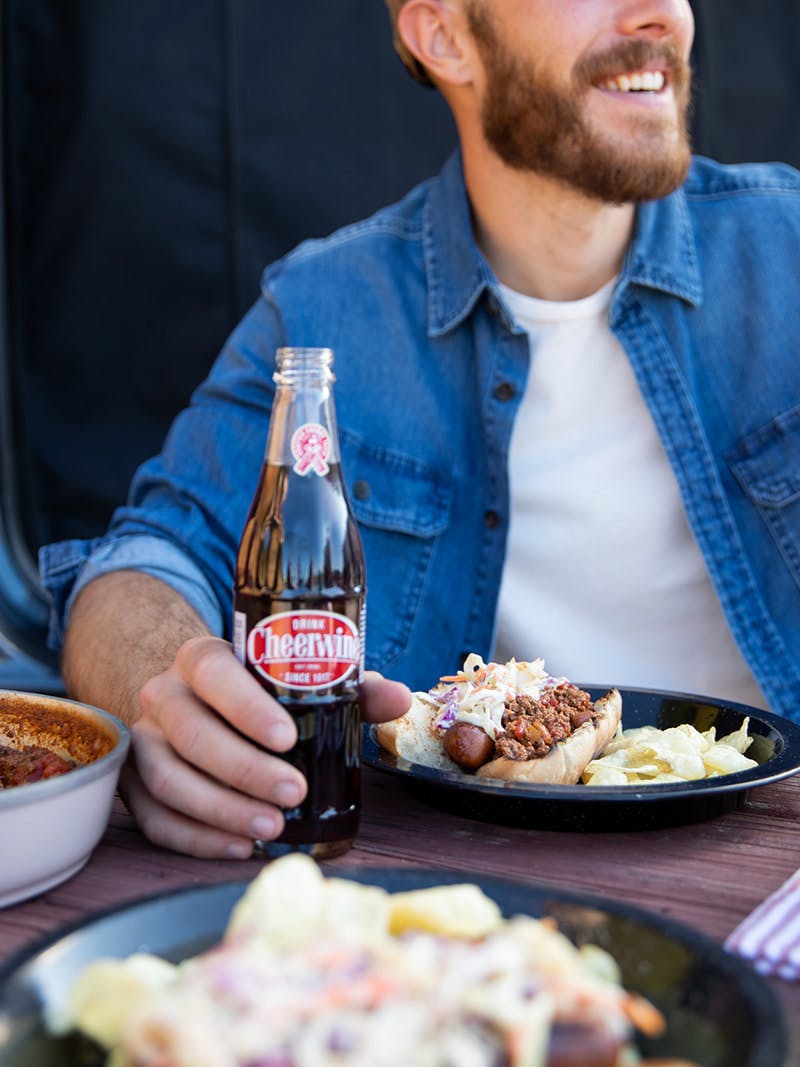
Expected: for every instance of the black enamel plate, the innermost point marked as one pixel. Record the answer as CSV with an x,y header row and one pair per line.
x,y
775,746
719,1012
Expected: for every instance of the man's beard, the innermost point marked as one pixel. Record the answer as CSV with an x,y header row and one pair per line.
x,y
536,126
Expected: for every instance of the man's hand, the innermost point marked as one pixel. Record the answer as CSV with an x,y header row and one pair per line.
x,y
195,783
197,780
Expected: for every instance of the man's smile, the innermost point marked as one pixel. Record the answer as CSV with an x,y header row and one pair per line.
x,y
645,81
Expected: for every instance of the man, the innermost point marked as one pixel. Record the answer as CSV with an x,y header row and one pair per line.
x,y
568,408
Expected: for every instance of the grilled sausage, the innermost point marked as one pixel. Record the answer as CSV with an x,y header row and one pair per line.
x,y
468,745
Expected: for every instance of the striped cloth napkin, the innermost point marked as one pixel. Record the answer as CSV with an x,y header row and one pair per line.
x,y
770,935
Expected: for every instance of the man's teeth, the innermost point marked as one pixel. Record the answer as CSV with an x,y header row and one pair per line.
x,y
649,81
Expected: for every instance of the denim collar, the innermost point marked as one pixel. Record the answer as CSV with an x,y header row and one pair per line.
x,y
662,254
456,270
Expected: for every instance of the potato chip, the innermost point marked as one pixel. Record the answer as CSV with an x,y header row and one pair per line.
x,y
680,752
645,754
291,904
108,990
282,906
738,739
597,773
449,910
725,759
354,911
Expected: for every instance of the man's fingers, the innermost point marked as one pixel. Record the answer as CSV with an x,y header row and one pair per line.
x,y
173,830
210,668
382,700
183,789
198,736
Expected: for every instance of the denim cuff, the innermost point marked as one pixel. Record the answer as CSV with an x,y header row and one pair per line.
x,y
67,566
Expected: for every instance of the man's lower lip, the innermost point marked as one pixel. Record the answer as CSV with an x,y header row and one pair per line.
x,y
663,96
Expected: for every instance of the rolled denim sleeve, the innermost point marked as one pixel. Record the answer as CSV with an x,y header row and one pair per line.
x,y
68,566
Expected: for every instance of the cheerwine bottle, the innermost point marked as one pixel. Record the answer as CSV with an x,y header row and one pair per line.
x,y
299,602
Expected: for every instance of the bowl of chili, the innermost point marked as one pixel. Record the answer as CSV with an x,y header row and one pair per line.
x,y
59,765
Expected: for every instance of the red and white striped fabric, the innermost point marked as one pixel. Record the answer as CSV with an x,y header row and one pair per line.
x,y
770,935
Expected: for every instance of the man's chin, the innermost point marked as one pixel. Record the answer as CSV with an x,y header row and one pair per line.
x,y
635,177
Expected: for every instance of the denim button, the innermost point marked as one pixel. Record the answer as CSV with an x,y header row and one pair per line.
x,y
361,490
491,520
505,391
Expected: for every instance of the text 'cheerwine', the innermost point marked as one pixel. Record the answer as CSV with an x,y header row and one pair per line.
x,y
304,649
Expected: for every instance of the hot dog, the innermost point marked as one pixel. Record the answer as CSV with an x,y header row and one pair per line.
x,y
511,721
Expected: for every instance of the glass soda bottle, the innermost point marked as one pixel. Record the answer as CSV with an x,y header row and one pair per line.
x,y
299,602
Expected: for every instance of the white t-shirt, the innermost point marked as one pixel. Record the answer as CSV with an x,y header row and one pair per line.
x,y
603,577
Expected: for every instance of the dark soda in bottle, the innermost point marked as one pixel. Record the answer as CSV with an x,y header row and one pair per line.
x,y
299,602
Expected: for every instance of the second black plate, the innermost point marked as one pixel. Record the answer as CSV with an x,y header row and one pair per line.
x,y
719,1012
775,746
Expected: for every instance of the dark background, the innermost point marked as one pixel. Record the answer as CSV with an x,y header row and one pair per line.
x,y
157,154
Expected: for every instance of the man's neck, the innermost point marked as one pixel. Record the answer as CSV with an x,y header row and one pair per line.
x,y
542,238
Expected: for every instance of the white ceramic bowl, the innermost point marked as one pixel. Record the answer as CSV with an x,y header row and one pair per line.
x,y
49,828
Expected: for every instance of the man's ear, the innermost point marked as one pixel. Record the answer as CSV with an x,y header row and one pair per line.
x,y
434,32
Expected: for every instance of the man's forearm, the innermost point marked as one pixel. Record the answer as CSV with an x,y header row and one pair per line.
x,y
124,628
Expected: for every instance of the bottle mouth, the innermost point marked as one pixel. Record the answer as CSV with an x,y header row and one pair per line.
x,y
298,366
304,357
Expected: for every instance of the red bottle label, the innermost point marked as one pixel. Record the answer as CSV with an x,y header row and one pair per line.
x,y
305,649
311,446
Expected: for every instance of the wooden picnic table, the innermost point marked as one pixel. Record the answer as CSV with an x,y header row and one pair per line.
x,y
708,875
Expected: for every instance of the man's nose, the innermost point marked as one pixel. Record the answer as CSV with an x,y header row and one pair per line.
x,y
654,19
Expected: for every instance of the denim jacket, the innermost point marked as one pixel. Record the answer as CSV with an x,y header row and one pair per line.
x,y
430,369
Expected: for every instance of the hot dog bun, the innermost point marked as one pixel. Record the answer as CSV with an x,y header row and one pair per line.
x,y
414,736
565,762
478,696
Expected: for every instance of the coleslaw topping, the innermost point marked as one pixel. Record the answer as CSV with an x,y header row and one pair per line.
x,y
478,693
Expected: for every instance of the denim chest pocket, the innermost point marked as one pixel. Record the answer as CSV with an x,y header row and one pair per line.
x,y
402,505
766,464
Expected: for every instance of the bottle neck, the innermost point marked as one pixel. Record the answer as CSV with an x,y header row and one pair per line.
x,y
302,429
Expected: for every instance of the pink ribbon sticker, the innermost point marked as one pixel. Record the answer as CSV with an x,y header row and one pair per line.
x,y
310,447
